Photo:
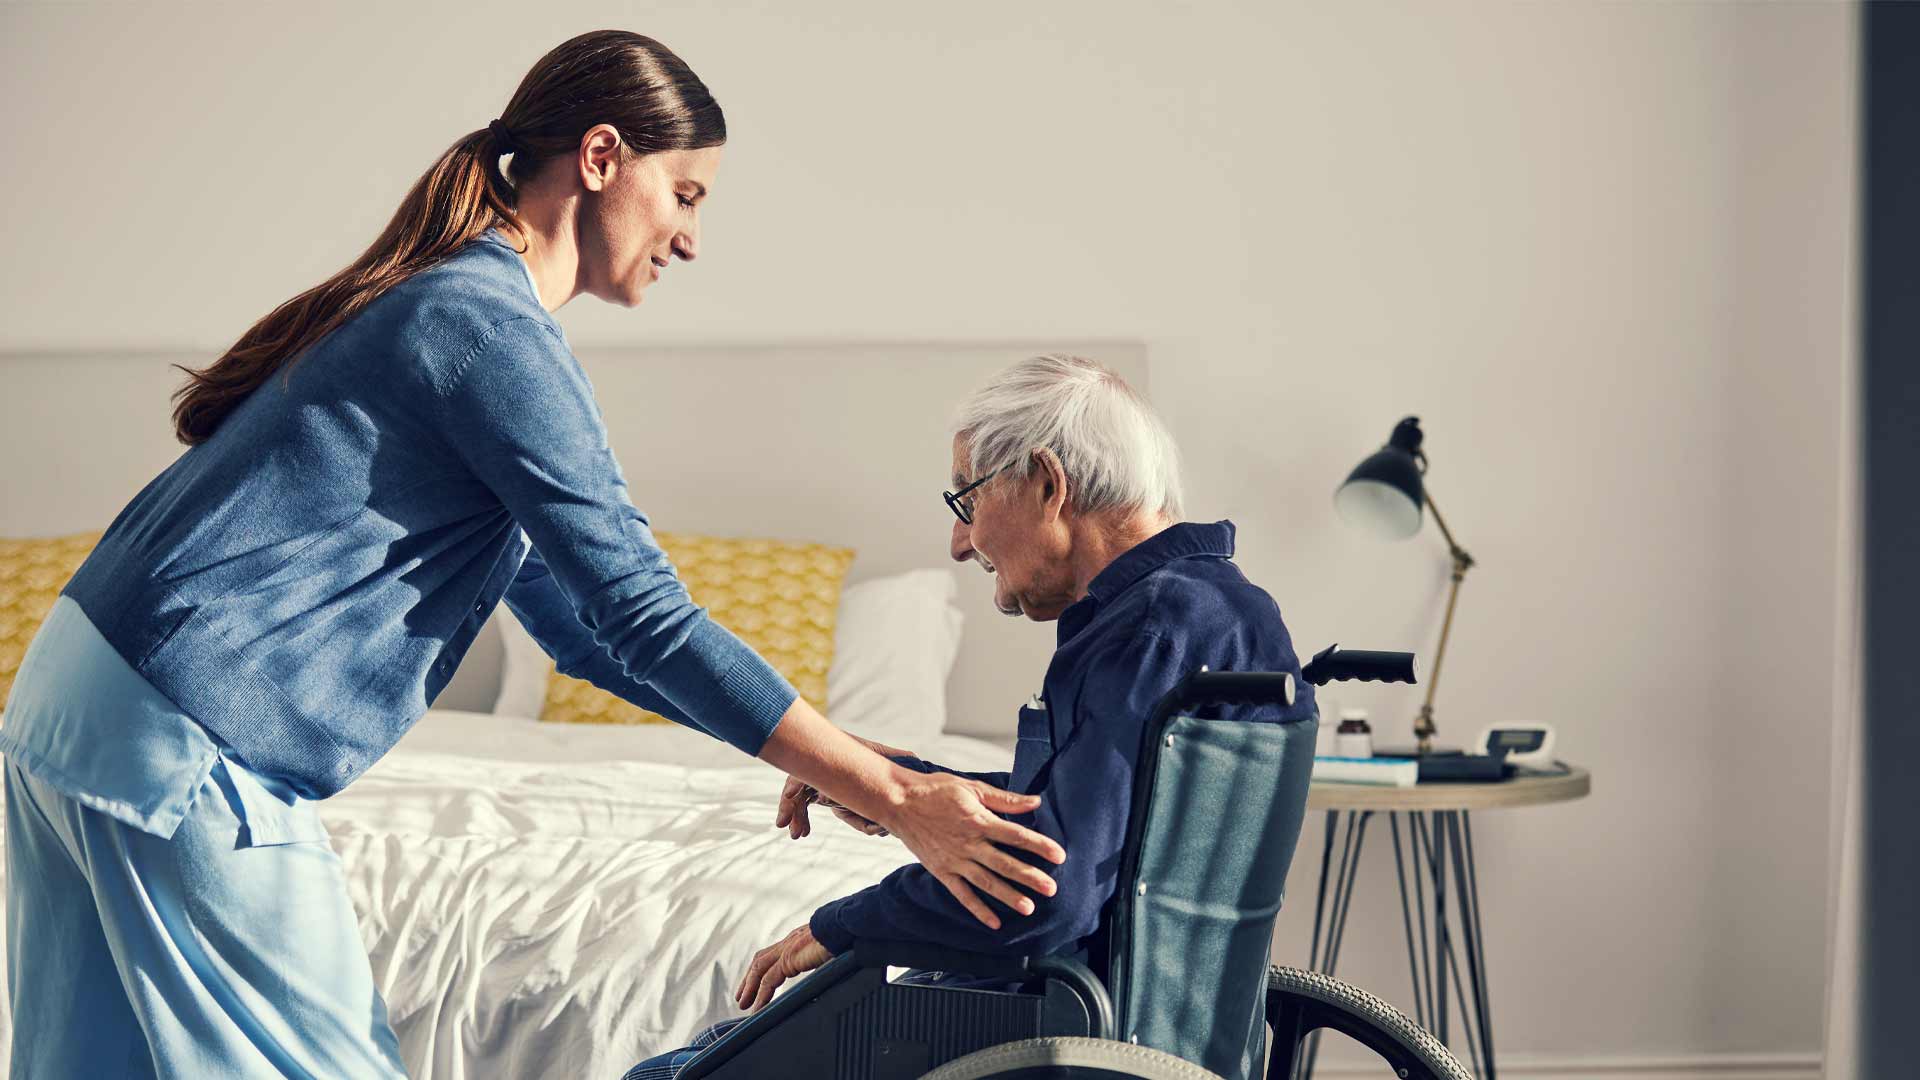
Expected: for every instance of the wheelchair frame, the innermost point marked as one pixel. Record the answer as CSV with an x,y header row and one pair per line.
x,y
889,1031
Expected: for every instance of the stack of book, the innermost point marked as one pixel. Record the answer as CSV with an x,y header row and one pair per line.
x,y
1381,771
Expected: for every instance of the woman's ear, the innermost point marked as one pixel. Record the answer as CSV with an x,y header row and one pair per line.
x,y
1053,487
599,156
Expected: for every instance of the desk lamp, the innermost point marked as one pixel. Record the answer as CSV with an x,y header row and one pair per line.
x,y
1384,495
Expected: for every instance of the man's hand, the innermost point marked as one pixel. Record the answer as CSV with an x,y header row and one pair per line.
x,y
791,956
796,796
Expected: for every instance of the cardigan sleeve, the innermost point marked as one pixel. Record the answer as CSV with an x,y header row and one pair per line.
x,y
520,412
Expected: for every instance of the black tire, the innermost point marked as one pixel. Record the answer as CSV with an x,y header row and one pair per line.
x,y
1069,1059
1382,1028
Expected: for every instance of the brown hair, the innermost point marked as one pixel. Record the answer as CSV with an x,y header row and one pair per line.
x,y
632,82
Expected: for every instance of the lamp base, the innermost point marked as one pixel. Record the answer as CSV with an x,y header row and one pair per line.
x,y
1410,751
1446,765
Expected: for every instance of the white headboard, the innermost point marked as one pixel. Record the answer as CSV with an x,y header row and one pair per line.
x,y
844,444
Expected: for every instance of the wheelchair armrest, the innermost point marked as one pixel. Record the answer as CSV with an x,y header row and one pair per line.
x,y
797,997
1066,971
868,956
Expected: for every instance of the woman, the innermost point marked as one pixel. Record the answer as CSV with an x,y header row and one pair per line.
x,y
373,467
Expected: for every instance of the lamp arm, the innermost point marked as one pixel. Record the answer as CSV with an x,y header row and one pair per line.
x,y
1459,553
1423,728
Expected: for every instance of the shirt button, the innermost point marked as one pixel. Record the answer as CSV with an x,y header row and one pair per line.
x,y
479,609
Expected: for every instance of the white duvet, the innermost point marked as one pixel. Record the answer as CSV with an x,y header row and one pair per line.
x,y
551,901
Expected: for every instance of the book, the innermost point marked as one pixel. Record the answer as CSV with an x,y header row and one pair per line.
x,y
1383,772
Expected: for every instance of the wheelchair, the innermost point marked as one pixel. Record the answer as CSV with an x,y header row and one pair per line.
x,y
1185,991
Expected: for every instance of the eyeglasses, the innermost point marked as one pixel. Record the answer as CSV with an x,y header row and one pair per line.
x,y
961,505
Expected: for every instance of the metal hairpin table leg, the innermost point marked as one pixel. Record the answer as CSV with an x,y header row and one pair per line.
x,y
1417,966
1334,921
1440,915
1434,836
1467,892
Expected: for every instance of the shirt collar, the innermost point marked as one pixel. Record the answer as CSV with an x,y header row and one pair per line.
x,y
1183,541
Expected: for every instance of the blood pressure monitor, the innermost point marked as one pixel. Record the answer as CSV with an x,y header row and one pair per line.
x,y
1527,745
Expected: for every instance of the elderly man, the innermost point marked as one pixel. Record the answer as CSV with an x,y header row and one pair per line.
x,y
1067,491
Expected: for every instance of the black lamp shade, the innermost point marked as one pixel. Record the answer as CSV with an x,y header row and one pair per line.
x,y
1384,494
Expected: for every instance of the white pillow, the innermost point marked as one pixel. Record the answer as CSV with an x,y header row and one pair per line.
x,y
894,643
524,668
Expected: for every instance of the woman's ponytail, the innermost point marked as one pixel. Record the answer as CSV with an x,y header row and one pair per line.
x,y
460,197
608,76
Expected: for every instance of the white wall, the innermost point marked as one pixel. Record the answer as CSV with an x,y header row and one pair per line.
x,y
1600,248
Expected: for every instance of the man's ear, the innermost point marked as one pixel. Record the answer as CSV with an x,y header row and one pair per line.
x,y
1053,487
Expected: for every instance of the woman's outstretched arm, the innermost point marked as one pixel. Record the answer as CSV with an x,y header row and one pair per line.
x,y
950,823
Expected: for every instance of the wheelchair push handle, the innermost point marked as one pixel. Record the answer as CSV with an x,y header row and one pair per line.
x,y
1231,688
1333,664
1277,687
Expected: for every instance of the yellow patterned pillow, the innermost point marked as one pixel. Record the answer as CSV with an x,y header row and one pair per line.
x,y
778,597
32,573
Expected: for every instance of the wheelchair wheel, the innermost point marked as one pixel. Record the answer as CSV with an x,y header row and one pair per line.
x,y
1298,1002
1069,1059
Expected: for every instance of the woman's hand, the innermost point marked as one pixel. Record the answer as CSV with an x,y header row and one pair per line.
x,y
793,955
950,823
797,795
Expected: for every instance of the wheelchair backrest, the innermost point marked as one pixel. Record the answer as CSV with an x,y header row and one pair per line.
x,y
1217,812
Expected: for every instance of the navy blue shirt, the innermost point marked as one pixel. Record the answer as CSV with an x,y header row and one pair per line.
x,y
1155,615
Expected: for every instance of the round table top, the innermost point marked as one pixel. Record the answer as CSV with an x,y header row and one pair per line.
x,y
1519,791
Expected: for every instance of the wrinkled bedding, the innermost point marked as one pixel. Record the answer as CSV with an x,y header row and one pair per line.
x,y
544,901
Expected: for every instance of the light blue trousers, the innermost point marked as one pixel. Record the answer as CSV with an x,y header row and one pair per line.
x,y
214,953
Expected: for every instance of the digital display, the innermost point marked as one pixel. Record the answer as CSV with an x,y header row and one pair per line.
x,y
1518,740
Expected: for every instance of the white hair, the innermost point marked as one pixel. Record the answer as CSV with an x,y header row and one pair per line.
x,y
1116,452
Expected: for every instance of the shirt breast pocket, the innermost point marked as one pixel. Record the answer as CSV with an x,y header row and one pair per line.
x,y
1033,747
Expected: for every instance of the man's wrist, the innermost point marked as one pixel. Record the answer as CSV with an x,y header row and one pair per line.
x,y
826,928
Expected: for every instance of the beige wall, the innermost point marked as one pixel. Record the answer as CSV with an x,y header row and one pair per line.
x,y
1600,248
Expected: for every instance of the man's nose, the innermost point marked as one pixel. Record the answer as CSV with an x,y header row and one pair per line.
x,y
961,545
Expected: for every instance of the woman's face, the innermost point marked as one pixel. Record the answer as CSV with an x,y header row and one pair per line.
x,y
645,213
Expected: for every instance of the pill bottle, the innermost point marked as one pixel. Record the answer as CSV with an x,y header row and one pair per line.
x,y
1355,738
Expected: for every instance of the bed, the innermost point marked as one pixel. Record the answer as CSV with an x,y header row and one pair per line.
x,y
547,900
565,903
563,899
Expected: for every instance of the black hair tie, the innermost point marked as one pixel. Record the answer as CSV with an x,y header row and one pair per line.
x,y
503,138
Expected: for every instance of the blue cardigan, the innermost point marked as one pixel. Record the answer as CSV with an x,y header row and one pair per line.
x,y
304,583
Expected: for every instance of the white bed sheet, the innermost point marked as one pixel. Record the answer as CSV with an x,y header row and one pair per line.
x,y
513,738
545,900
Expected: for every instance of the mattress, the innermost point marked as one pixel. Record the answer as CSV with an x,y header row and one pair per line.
x,y
555,900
